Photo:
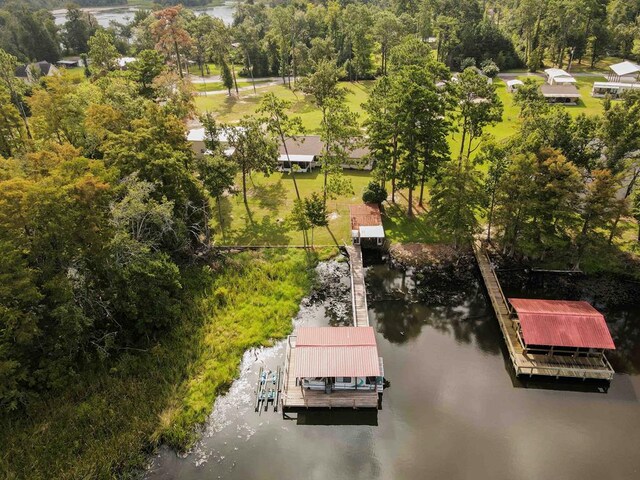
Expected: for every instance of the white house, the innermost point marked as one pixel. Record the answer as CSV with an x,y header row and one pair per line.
x,y
614,89
624,72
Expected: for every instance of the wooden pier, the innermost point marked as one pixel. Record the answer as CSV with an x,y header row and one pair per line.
x,y
358,290
525,363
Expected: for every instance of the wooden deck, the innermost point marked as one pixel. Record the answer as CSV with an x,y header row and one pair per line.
x,y
358,290
294,396
533,364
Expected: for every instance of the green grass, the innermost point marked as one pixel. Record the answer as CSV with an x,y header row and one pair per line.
x,y
213,70
232,109
218,86
106,423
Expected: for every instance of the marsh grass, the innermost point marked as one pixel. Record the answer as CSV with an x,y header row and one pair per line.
x,y
109,420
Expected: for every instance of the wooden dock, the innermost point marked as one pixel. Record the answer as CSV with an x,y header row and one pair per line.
x,y
358,290
294,396
527,363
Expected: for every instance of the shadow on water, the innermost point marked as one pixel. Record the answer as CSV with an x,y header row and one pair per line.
x,y
335,417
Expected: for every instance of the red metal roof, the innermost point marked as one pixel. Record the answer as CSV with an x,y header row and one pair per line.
x,y
336,352
365,215
335,336
562,323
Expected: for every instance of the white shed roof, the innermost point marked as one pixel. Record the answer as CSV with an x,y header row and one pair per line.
x,y
372,232
196,135
625,68
616,85
511,83
123,61
559,75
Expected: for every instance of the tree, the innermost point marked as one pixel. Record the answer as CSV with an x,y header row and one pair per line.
x,y
478,107
145,69
316,212
457,200
490,69
374,193
598,208
170,35
8,64
388,30
635,211
217,173
281,125
254,149
496,157
339,131
102,52
78,29
12,137
323,85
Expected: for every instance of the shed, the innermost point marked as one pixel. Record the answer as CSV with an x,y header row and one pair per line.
x,y
561,325
513,85
68,63
366,223
336,352
565,94
624,72
123,62
557,76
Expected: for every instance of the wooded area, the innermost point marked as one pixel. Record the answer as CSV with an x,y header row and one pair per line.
x,y
109,220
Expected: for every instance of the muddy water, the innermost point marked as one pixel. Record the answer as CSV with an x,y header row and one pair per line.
x,y
452,411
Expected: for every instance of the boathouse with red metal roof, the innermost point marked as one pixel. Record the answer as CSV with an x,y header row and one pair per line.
x,y
561,326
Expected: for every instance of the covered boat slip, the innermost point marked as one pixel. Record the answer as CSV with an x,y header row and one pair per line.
x,y
332,367
571,360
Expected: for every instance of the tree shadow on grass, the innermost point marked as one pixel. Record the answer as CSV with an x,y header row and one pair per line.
x,y
405,229
270,196
223,209
266,231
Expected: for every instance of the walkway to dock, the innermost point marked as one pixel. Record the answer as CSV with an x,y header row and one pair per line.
x,y
358,290
526,363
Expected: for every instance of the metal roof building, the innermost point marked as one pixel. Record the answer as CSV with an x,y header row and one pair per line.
x,y
366,222
562,323
336,352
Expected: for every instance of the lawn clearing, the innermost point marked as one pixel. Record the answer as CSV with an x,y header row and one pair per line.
x,y
231,109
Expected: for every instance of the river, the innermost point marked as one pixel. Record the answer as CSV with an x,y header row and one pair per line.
x,y
452,411
124,14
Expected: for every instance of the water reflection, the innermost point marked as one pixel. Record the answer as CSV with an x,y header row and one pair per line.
x,y
405,302
335,417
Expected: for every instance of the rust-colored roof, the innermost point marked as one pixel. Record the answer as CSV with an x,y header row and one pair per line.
x,y
365,215
335,336
336,352
562,323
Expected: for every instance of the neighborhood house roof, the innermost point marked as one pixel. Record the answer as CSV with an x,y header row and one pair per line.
x,y
559,76
365,215
313,145
296,158
198,135
22,70
559,91
336,352
625,68
562,323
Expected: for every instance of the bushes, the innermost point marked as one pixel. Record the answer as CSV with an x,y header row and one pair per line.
x,y
374,193
106,423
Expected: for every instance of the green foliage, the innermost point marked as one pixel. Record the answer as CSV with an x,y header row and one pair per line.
x,y
148,66
374,193
123,409
102,51
457,201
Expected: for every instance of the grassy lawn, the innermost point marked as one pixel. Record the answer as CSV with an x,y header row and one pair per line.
x,y
232,109
271,199
213,70
218,86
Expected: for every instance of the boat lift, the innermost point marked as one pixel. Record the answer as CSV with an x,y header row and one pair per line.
x,y
268,389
